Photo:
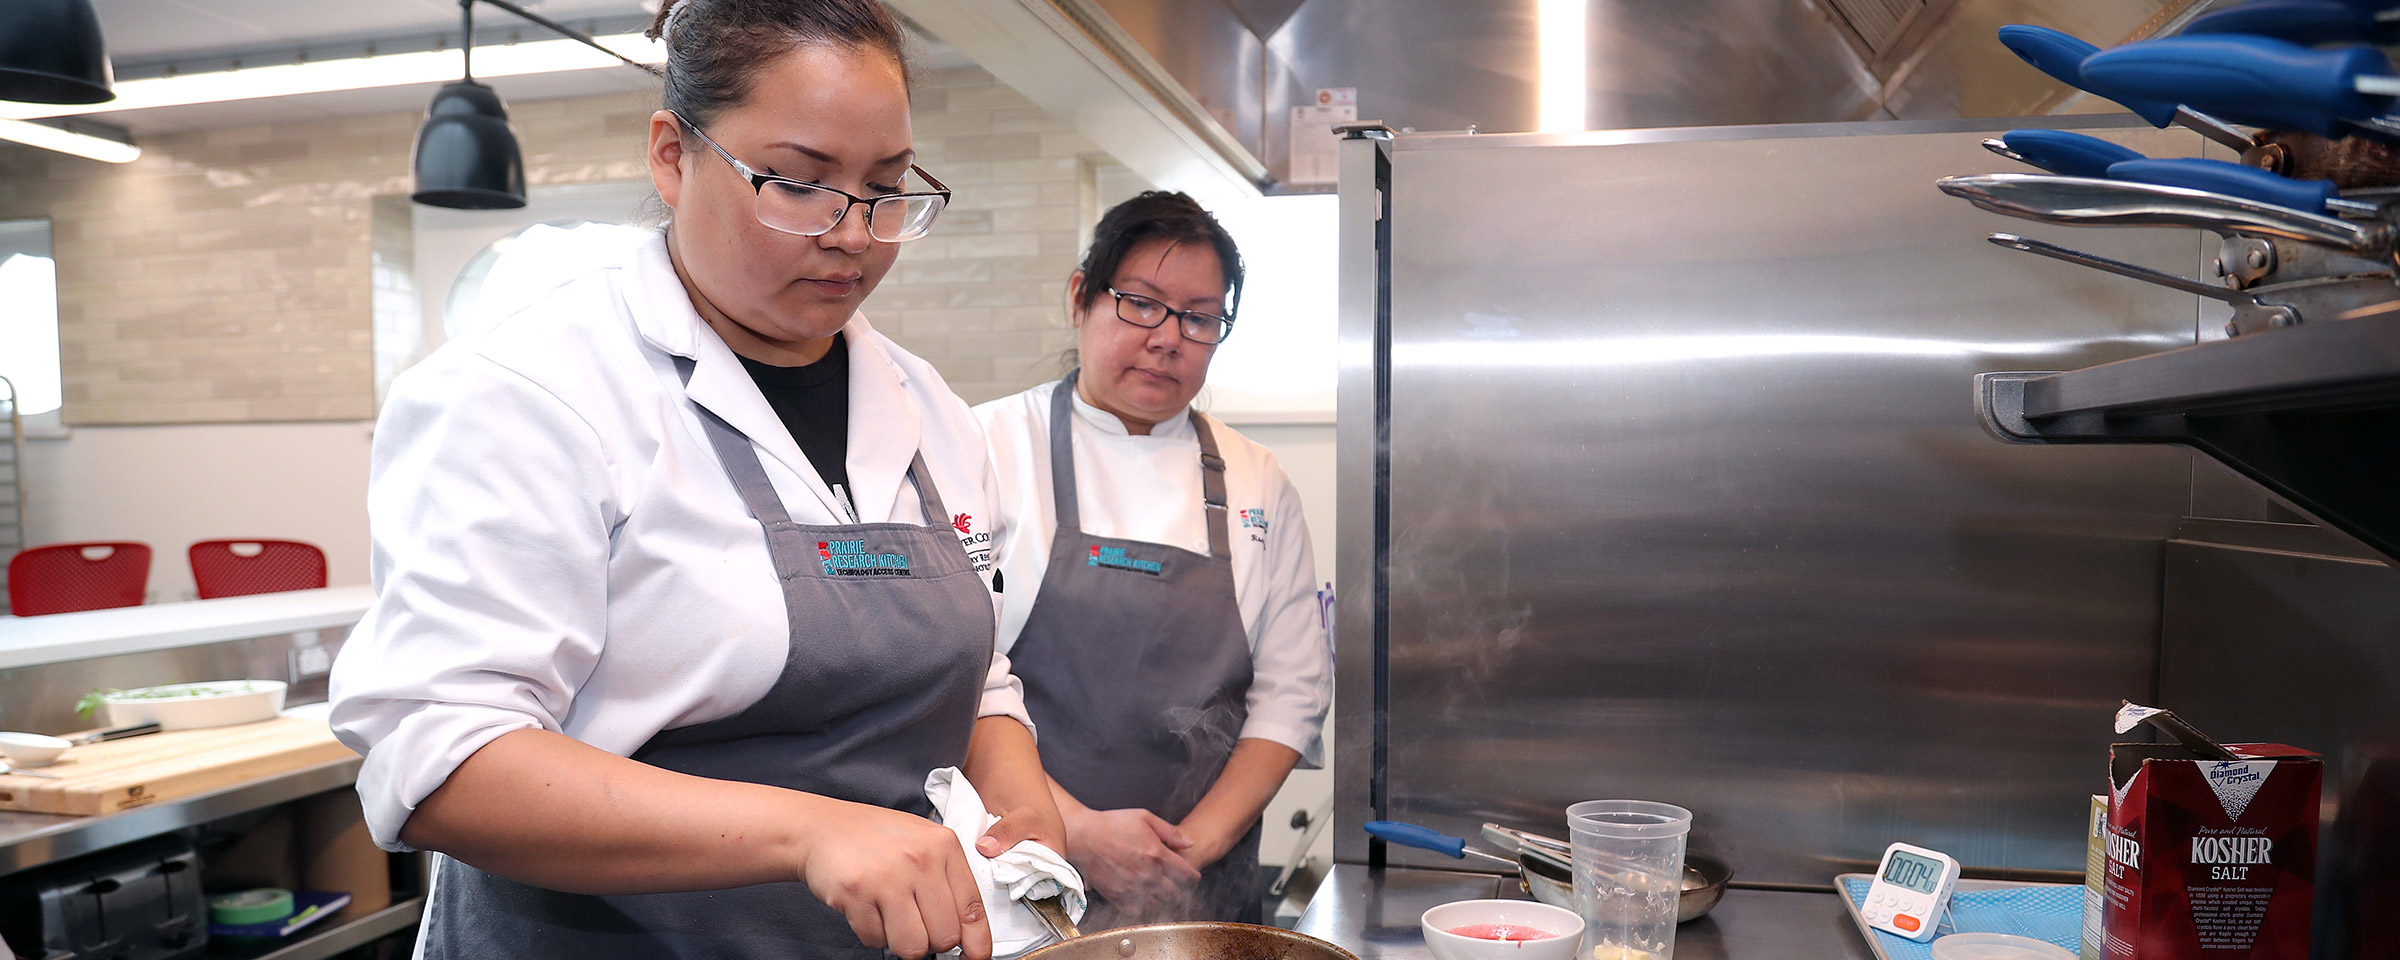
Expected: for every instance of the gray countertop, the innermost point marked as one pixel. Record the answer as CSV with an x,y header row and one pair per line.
x,y
1373,913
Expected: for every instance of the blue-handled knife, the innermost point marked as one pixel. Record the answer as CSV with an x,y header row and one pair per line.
x,y
2062,56
2305,22
2076,155
2258,80
2235,180
2064,153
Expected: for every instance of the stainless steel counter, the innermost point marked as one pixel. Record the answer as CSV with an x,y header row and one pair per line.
x,y
1374,914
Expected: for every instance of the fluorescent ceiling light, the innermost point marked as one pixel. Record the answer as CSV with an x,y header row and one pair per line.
x,y
1561,26
63,141
354,73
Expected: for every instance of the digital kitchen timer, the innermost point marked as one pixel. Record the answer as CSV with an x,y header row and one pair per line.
x,y
1912,887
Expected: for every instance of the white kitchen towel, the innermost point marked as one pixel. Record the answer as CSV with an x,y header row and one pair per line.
x,y
1026,871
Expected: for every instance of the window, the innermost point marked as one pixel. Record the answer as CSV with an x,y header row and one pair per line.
x,y
1280,364
29,318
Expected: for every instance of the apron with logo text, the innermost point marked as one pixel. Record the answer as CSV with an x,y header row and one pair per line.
x,y
891,636
1137,672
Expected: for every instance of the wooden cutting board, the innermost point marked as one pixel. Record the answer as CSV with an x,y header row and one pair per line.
x,y
134,772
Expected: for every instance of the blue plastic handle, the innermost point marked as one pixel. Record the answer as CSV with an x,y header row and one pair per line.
x,y
2250,80
2067,154
2305,22
1411,835
2062,56
2231,179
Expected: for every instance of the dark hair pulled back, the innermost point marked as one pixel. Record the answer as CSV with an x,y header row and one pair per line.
x,y
1156,215
715,47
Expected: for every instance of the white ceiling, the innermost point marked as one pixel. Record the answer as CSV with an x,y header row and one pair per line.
x,y
141,31
148,33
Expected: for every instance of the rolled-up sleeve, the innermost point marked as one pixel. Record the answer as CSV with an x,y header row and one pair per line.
x,y
490,508
1003,693
1291,685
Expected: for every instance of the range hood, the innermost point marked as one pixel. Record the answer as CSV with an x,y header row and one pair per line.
x,y
1229,71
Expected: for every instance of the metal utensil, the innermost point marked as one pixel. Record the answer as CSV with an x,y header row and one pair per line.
x,y
1053,913
1552,881
2083,201
2061,152
2305,22
2075,155
2062,56
2247,311
1425,838
2260,81
119,733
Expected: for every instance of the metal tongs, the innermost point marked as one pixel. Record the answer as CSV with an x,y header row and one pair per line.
x,y
2084,201
2248,313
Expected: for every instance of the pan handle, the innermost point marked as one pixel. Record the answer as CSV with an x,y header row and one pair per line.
x,y
1426,838
1053,914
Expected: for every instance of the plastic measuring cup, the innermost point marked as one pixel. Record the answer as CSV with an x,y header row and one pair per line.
x,y
1628,876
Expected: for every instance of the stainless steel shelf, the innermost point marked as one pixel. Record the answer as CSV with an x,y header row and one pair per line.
x,y
2310,412
356,933
30,840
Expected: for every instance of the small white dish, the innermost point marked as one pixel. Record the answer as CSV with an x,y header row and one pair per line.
x,y
1564,928
31,749
1997,946
191,706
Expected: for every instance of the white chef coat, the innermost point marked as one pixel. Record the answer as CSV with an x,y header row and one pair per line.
x,y
556,545
1147,488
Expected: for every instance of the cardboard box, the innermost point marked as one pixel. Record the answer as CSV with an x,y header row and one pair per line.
x,y
2212,848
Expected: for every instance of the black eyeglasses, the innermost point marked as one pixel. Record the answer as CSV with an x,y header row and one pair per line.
x,y
1197,327
813,209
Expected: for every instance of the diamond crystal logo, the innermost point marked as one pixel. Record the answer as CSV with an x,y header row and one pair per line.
x,y
2235,782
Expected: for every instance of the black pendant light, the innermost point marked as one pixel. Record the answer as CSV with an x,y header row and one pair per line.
x,y
466,156
50,52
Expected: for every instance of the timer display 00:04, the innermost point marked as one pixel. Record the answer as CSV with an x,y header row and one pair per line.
x,y
1911,888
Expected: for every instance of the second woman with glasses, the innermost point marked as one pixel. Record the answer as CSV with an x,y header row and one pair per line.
x,y
1160,600
677,603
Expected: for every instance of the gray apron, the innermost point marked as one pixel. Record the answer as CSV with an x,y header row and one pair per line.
x,y
881,686
1137,672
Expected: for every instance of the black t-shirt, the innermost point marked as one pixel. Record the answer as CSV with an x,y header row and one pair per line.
x,y
814,404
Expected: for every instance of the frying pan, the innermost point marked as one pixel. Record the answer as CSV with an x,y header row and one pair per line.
x,y
1193,940
1543,864
1704,881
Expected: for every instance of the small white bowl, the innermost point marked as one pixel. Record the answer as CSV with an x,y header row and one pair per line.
x,y
191,706
31,749
1564,927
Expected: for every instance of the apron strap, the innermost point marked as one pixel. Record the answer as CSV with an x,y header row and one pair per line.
x,y
929,499
758,493
1062,454
1062,470
1212,489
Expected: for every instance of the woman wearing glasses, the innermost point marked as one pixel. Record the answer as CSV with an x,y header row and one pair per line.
x,y
1161,600
675,609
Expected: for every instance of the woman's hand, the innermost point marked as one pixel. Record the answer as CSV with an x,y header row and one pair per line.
x,y
901,880
1038,822
1130,856
1007,771
542,808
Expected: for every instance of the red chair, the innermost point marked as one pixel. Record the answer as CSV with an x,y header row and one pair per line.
x,y
66,577
236,568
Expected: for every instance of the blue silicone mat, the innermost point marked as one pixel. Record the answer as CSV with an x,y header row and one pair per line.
x,y
2043,911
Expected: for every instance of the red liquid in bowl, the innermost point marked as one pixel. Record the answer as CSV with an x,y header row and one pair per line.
x,y
1501,931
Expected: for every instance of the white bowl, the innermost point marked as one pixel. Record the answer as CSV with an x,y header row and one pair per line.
x,y
31,749
1564,927
190,706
